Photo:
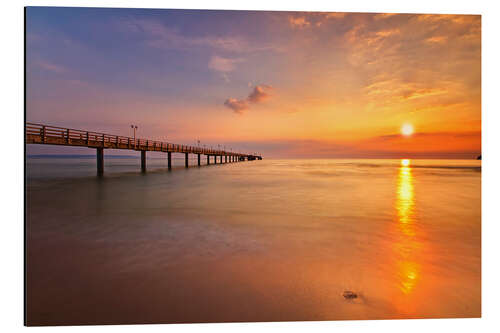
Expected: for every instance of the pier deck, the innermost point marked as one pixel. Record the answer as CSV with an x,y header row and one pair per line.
x,y
53,135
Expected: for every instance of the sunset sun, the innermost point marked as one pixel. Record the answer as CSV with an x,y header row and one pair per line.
x,y
407,129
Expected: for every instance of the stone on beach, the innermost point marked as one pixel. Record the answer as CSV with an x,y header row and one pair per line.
x,y
349,294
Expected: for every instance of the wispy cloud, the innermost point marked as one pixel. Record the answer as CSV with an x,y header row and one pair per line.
x,y
383,16
51,67
436,39
221,64
335,15
422,145
159,35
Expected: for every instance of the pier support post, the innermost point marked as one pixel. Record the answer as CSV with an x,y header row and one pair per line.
x,y
100,161
143,161
199,160
215,159
208,159
225,159
169,160
186,159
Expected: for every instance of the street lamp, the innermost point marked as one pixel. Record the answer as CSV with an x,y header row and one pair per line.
x,y
134,127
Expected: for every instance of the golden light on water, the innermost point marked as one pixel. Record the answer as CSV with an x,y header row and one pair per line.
x,y
408,268
405,203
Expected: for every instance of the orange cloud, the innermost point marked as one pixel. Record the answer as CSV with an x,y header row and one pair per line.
x,y
298,22
436,39
260,93
237,105
383,16
387,33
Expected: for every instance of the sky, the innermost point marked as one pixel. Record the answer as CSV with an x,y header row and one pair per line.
x,y
282,84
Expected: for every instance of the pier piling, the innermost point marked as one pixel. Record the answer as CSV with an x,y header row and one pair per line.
x,y
143,161
169,158
100,161
186,159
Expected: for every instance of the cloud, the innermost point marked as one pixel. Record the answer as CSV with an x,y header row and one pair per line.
x,y
158,35
298,22
383,16
461,145
387,33
45,65
221,64
311,19
335,15
237,105
436,39
464,144
259,94
438,65
424,93
397,89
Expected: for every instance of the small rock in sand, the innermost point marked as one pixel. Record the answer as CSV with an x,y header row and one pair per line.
x,y
349,294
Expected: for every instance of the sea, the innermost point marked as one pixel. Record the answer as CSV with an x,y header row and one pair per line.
x,y
269,240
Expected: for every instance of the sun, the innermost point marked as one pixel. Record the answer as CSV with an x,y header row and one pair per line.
x,y
407,129
405,162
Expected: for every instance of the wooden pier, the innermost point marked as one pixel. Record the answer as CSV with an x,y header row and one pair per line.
x,y
53,135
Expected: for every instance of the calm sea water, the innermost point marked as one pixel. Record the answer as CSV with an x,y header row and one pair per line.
x,y
266,240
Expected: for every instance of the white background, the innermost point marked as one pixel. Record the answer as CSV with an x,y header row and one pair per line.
x,y
11,175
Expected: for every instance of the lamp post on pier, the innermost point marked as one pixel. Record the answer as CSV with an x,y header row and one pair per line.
x,y
134,128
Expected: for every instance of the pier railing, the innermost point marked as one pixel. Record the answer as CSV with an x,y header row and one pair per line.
x,y
44,134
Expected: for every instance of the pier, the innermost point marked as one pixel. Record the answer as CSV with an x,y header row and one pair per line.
x,y
53,135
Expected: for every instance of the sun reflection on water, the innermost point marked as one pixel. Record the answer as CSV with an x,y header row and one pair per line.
x,y
408,269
